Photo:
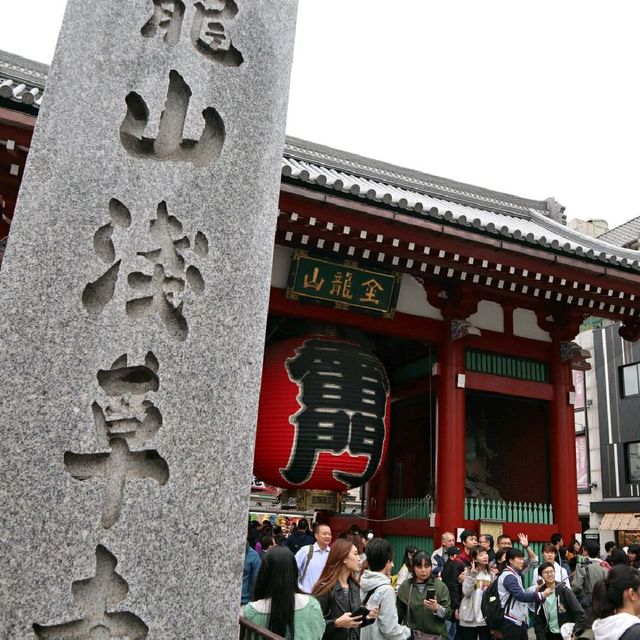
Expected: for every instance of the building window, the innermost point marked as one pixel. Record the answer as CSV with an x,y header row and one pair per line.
x,y
631,380
632,450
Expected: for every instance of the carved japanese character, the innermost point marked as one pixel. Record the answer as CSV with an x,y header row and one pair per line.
x,y
341,285
167,17
208,28
98,599
373,287
169,143
159,292
128,412
129,420
208,32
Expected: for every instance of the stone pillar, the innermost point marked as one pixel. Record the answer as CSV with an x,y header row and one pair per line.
x,y
564,483
450,479
133,300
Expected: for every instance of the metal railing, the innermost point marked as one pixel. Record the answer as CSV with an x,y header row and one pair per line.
x,y
251,631
526,512
475,509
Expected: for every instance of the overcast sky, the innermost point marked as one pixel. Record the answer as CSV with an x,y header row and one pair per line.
x,y
536,98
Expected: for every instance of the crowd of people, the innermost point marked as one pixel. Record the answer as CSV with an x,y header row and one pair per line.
x,y
306,586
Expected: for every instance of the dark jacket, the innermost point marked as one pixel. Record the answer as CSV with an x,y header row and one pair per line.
x,y
336,602
450,574
299,539
569,610
421,618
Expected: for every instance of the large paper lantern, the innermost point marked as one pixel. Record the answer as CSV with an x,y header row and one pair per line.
x,y
323,420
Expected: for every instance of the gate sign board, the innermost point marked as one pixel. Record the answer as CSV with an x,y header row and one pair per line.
x,y
150,196
343,284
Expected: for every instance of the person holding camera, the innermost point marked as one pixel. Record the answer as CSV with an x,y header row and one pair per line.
x,y
339,594
559,607
423,602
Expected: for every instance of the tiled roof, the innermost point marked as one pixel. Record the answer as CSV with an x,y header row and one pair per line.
x,y
22,80
623,235
534,222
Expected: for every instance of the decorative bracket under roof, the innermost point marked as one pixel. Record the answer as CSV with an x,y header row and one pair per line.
x,y
562,324
453,300
575,355
630,331
463,328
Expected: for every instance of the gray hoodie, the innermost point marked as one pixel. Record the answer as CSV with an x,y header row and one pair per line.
x,y
386,626
612,627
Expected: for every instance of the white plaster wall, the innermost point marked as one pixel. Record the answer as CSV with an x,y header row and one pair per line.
x,y
489,316
525,325
413,299
281,266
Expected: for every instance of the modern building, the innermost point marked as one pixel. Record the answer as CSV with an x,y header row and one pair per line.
x,y
469,297
608,410
595,227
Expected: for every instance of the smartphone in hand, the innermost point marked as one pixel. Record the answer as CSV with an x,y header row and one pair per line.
x,y
360,612
431,594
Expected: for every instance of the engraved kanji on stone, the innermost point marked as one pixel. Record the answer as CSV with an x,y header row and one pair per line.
x,y
127,410
169,143
167,18
159,292
208,32
123,426
98,599
208,29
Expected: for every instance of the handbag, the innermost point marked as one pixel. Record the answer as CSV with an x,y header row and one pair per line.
x,y
415,634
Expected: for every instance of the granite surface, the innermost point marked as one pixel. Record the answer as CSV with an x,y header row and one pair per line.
x,y
133,299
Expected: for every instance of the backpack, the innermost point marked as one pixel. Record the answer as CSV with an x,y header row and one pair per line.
x,y
437,570
586,575
492,608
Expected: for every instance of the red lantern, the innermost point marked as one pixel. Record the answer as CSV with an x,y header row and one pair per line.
x,y
323,420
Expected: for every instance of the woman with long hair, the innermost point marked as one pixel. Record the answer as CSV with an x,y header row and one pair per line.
x,y
616,605
405,569
338,593
477,579
560,607
278,603
424,602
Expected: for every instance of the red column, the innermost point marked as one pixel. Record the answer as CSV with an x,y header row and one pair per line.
x,y
450,452
377,494
564,481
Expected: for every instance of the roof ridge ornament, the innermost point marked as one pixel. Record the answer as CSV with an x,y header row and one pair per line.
x,y
556,210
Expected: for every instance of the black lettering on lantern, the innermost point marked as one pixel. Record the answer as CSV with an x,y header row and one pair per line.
x,y
343,394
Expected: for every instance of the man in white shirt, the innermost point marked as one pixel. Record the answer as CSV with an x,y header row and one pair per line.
x,y
312,558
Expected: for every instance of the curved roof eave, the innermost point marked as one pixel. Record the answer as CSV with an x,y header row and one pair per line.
x,y
477,209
